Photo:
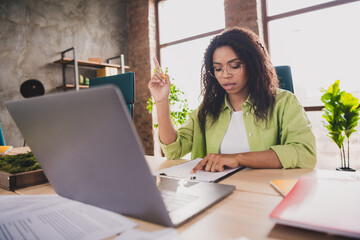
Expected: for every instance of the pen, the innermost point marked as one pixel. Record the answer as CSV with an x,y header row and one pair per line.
x,y
162,72
164,174
157,66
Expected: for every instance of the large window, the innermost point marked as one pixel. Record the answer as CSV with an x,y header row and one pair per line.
x,y
320,41
317,38
320,45
185,30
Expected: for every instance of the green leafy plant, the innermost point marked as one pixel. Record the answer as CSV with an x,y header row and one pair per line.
x,y
179,106
341,113
19,163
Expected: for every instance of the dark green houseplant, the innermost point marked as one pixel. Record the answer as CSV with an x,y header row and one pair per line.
x,y
341,113
19,163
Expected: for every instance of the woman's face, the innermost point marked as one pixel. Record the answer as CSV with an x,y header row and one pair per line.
x,y
230,71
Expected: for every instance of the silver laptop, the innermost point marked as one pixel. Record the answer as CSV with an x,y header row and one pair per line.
x,y
89,150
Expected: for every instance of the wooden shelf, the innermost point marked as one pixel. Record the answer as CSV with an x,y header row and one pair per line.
x,y
87,64
70,61
69,86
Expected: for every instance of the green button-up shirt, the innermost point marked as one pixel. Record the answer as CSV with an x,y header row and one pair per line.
x,y
287,132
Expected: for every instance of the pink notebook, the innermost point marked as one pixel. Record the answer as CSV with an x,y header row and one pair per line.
x,y
321,204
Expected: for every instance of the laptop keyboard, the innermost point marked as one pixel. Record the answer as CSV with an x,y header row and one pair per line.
x,y
174,200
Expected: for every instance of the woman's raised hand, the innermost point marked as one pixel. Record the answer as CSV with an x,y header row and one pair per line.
x,y
159,84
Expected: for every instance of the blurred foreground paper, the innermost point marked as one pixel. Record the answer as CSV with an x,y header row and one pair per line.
x,y
55,217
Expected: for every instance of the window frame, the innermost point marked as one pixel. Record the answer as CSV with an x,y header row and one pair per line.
x,y
265,20
178,41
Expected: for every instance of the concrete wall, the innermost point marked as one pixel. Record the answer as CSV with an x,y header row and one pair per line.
x,y
34,32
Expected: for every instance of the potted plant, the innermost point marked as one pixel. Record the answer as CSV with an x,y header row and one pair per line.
x,y
341,113
20,170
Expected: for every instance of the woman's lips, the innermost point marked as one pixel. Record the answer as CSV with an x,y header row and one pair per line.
x,y
229,86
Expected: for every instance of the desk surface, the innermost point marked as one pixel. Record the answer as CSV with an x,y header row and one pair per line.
x,y
245,213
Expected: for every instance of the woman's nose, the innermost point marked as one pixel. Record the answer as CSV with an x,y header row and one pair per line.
x,y
225,73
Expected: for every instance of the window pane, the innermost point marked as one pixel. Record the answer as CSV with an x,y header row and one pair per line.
x,y
320,47
180,19
184,62
275,7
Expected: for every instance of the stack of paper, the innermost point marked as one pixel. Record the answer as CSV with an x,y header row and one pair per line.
x,y
55,217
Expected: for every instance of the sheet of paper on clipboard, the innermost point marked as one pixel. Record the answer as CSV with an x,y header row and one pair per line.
x,y
182,171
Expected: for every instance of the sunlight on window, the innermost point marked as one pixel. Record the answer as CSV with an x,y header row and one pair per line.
x,y
184,62
180,19
320,47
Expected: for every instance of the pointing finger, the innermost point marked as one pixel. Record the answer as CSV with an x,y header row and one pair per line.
x,y
157,65
199,166
158,68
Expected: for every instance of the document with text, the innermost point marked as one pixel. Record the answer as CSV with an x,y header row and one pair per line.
x,y
54,217
182,171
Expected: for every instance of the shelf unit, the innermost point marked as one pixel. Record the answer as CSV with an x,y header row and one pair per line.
x,y
81,63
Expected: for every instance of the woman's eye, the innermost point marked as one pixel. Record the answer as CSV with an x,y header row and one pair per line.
x,y
235,65
217,69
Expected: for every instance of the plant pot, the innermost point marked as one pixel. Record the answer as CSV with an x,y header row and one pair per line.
x,y
348,169
12,182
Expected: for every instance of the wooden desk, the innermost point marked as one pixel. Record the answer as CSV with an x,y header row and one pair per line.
x,y
245,213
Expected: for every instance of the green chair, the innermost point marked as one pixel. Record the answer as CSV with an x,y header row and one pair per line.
x,y
285,78
2,140
125,82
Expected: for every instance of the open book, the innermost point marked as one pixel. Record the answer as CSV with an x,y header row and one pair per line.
x,y
182,171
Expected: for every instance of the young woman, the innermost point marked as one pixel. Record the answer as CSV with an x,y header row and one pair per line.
x,y
244,118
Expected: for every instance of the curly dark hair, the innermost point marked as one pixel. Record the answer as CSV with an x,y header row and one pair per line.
x,y
262,78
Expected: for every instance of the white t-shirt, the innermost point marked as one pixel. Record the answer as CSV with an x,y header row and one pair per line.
x,y
235,139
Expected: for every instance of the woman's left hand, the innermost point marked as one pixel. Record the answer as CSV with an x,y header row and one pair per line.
x,y
215,162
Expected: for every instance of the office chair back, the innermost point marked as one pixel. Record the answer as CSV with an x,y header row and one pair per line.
x,y
2,140
125,82
285,78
